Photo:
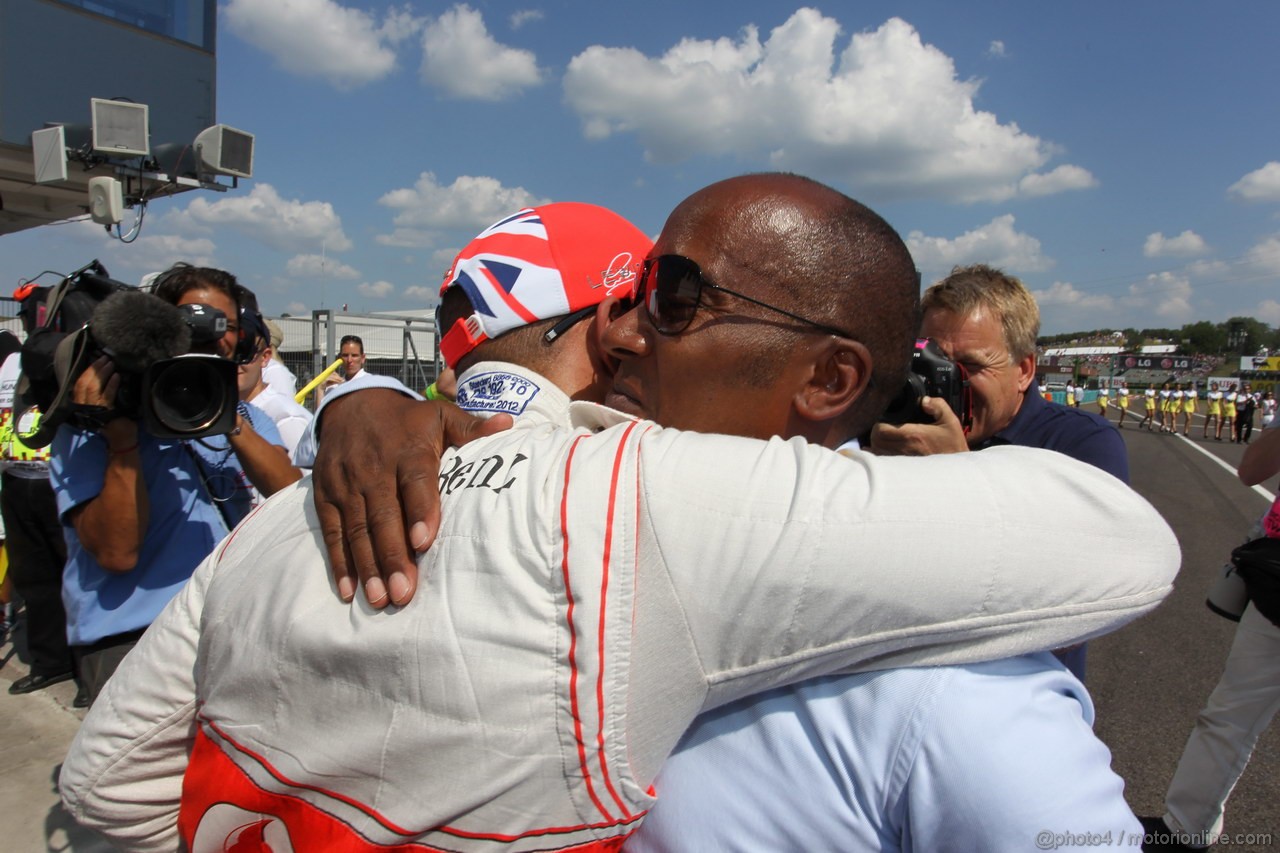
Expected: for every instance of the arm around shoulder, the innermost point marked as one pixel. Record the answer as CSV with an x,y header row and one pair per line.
x,y
821,564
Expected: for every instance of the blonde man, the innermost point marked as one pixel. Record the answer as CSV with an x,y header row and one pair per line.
x,y
987,321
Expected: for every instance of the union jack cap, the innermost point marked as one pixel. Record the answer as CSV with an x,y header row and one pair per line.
x,y
540,263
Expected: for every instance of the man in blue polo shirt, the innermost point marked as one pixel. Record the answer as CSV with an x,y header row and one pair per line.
x,y
139,512
988,321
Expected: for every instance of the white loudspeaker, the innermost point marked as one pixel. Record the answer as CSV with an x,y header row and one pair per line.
x,y
49,151
225,150
120,128
106,200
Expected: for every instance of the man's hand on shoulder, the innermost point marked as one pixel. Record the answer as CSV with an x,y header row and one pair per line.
x,y
944,435
376,486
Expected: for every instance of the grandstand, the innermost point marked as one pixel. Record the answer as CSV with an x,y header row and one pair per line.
x,y
1107,365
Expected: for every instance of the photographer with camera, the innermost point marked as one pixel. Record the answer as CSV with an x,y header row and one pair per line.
x,y
140,512
987,321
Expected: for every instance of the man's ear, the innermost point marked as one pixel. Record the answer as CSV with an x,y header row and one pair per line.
x,y
841,374
602,362
1026,372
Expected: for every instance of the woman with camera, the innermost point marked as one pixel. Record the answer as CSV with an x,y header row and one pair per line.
x,y
139,512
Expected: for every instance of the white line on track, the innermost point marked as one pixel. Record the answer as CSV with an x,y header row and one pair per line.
x,y
1270,497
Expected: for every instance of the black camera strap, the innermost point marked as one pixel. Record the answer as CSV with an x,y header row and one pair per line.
x,y
92,418
204,481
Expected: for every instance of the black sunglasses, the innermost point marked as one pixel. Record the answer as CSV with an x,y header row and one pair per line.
x,y
672,286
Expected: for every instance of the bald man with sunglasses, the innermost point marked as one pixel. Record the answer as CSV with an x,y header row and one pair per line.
x,y
597,581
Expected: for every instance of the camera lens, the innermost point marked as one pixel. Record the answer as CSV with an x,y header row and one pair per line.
x,y
187,396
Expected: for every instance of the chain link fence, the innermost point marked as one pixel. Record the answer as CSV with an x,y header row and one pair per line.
x,y
402,345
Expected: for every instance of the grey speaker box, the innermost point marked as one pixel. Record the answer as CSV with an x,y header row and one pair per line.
x,y
225,150
120,128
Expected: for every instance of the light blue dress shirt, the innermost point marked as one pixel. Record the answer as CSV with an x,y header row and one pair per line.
x,y
990,757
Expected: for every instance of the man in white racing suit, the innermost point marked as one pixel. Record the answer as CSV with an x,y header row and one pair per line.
x,y
594,586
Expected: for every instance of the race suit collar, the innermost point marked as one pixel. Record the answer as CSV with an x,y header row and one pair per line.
x,y
491,387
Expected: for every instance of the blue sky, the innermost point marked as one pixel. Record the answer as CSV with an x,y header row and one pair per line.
x,y
1122,158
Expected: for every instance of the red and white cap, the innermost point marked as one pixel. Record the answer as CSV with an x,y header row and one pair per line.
x,y
540,263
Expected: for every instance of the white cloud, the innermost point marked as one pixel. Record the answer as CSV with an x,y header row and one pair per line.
x,y
888,114
525,16
1167,293
418,291
157,252
442,258
1259,185
1065,295
1185,245
406,238
319,266
996,49
400,24
1268,311
461,59
297,308
1208,269
285,224
320,38
470,203
1061,179
997,243
1265,256
376,289
85,231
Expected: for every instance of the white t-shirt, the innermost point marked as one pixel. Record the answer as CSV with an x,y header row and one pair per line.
x,y
276,375
291,418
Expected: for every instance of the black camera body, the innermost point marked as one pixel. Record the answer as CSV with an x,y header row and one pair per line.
x,y
207,324
177,394
166,382
189,396
932,375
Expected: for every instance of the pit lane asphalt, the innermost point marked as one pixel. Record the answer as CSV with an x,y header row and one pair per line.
x,y
1148,680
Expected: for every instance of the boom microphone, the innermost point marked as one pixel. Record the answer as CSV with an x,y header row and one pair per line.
x,y
138,329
